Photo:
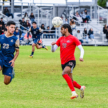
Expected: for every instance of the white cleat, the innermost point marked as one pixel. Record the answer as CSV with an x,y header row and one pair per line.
x,y
74,95
82,91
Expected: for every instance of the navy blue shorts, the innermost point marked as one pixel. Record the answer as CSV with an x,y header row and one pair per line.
x,y
6,70
1,63
36,41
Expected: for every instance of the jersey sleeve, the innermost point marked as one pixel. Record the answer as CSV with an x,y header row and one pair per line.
x,y
77,42
58,42
17,44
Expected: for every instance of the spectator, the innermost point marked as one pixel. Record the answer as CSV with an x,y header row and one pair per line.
x,y
79,36
23,23
91,34
63,20
77,14
66,21
43,27
7,13
32,17
87,16
105,29
78,17
26,17
2,22
48,32
27,24
84,17
1,29
85,35
53,31
73,25
107,34
5,29
16,32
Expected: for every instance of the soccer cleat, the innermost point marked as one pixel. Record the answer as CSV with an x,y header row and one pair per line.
x,y
46,48
31,56
74,95
82,92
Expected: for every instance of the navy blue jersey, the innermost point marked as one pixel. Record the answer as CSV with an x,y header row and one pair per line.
x,y
35,33
8,46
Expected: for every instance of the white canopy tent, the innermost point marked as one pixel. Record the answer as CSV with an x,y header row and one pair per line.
x,y
53,1
44,1
79,0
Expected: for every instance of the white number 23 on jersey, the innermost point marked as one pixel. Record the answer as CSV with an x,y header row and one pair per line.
x,y
5,46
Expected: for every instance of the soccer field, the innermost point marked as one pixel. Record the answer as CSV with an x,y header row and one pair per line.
x,y
39,84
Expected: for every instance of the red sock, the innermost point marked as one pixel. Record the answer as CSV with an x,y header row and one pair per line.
x,y
69,82
76,85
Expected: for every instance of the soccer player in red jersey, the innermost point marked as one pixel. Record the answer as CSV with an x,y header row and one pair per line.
x,y
67,45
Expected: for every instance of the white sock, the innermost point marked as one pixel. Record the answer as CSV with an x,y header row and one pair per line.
x,y
73,92
81,88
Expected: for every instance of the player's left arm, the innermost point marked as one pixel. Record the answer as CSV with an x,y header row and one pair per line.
x,y
81,52
78,43
16,54
55,45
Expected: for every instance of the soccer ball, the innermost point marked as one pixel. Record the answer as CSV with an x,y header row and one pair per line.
x,y
57,22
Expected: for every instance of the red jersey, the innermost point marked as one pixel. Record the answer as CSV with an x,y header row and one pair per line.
x,y
67,47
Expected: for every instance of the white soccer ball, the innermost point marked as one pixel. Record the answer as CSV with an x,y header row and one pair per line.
x,y
57,22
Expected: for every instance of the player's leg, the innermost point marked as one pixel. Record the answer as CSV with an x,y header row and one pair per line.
x,y
33,49
65,75
82,88
0,68
74,82
7,79
39,46
72,65
8,74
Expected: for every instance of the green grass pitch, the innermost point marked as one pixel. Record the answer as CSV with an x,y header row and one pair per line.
x,y
39,84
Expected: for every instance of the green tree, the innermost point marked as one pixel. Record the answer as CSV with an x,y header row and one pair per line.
x,y
102,3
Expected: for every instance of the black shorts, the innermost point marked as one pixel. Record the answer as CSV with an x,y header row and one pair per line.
x,y
71,64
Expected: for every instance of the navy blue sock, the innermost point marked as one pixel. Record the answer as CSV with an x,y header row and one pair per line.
x,y
32,53
43,46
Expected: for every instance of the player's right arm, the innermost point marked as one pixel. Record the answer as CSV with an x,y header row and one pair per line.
x,y
55,45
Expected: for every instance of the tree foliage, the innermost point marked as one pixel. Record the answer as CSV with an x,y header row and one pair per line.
x,y
102,3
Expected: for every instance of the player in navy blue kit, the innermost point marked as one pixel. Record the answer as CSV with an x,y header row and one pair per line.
x,y
8,45
36,33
